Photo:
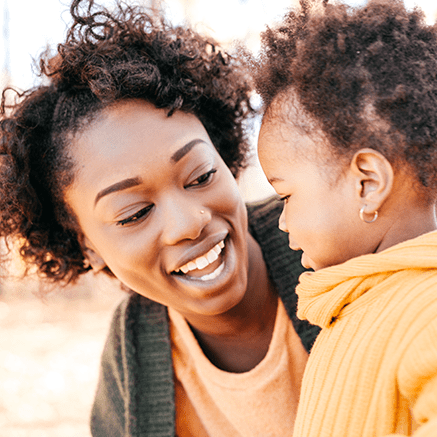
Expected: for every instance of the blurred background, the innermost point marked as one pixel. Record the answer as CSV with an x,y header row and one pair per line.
x,y
50,346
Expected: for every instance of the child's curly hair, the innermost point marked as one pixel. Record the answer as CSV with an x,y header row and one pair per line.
x,y
366,76
107,57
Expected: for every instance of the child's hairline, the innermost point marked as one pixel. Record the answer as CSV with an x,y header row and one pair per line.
x,y
307,124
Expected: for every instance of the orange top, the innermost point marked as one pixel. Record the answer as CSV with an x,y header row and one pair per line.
x,y
262,402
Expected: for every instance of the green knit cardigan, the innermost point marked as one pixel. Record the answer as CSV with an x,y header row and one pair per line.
x,y
135,392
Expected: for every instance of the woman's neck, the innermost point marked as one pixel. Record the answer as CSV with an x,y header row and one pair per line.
x,y
239,339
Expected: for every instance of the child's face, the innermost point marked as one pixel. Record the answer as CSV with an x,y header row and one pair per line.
x,y
320,203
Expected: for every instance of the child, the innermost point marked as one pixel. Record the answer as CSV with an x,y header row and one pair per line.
x,y
349,140
122,162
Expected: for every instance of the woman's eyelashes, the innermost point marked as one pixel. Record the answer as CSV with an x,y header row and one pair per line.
x,y
285,198
142,213
203,179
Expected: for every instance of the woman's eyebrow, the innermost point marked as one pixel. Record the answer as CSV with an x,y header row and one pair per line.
x,y
119,186
132,182
180,153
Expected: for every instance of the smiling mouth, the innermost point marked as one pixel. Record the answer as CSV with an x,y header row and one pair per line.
x,y
202,262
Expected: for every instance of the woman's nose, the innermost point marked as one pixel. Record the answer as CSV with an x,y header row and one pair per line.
x,y
183,221
282,222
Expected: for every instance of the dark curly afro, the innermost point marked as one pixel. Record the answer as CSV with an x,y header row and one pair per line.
x,y
366,76
107,57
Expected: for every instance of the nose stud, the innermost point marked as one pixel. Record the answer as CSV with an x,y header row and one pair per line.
x,y
202,211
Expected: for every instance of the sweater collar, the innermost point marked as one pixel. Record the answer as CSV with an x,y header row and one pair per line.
x,y
324,294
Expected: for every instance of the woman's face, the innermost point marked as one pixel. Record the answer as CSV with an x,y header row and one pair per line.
x,y
158,205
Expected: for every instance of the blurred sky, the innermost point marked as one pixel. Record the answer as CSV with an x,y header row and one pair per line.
x,y
27,26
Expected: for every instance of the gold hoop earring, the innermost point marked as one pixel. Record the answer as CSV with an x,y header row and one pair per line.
x,y
375,215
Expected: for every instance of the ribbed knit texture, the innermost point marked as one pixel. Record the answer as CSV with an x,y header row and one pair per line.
x,y
135,392
373,369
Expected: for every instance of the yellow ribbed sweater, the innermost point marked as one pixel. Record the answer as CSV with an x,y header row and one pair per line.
x,y
373,369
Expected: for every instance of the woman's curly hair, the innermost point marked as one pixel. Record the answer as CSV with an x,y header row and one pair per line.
x,y
107,57
367,76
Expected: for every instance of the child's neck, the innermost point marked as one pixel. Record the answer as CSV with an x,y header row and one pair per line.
x,y
411,218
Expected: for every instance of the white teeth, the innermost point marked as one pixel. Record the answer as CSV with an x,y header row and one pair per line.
x,y
214,274
211,256
202,261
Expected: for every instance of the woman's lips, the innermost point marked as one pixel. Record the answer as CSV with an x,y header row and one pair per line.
x,y
202,262
213,278
213,274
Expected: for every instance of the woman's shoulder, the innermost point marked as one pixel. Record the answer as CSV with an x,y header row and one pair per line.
x,y
263,220
135,312
283,264
264,209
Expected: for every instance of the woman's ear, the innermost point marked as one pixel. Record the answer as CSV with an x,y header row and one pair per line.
x,y
374,178
92,256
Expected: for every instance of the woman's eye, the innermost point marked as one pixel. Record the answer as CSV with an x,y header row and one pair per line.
x,y
135,217
205,178
285,198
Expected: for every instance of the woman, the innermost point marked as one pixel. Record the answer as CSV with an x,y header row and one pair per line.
x,y
124,163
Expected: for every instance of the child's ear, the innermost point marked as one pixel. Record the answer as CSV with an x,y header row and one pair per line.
x,y
95,260
374,178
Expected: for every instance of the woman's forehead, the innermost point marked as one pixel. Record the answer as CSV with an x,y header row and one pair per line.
x,y
132,140
136,126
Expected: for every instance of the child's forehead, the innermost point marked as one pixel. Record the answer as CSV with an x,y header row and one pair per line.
x,y
288,127
286,111
284,144
291,138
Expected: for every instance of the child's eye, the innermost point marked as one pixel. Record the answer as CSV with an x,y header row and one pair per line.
x,y
205,178
135,217
285,198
